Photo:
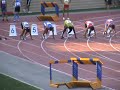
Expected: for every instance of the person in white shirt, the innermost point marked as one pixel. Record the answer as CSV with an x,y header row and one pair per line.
x,y
26,29
109,27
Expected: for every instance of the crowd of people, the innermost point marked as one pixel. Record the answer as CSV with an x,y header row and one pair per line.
x,y
17,8
19,3
112,3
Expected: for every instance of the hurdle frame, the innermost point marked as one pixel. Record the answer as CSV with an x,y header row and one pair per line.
x,y
44,17
75,82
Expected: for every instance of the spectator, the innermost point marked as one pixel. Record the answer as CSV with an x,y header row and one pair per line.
x,y
4,9
68,25
108,3
66,7
17,6
27,7
115,3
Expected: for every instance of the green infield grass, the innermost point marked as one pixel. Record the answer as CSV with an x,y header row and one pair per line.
x,y
8,83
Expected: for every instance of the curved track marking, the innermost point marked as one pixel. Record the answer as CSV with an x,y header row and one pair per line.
x,y
110,41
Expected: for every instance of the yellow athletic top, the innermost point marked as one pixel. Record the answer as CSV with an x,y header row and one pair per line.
x,y
68,23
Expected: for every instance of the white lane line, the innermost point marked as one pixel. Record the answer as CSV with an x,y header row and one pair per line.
x,y
110,41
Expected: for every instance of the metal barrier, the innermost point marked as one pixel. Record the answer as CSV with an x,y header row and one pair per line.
x,y
44,17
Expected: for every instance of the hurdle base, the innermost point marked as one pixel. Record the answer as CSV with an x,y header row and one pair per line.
x,y
57,85
76,84
48,18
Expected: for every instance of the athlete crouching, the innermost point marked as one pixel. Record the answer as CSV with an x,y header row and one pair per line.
x,y
26,29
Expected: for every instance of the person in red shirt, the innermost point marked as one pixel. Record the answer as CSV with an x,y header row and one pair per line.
x,y
66,7
89,25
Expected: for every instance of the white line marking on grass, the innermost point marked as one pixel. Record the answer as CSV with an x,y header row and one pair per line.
x,y
22,81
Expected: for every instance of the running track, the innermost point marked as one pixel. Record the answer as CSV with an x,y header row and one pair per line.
x,y
41,51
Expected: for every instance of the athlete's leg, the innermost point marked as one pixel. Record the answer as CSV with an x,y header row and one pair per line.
x,y
85,30
70,30
22,34
65,28
45,32
53,33
68,12
30,34
74,32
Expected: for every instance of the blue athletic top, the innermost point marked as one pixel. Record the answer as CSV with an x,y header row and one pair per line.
x,y
3,4
17,3
47,24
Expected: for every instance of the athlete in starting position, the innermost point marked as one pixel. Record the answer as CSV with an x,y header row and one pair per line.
x,y
68,25
48,26
109,27
26,29
89,25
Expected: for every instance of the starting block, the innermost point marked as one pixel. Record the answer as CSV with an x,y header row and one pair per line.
x,y
55,31
34,29
12,31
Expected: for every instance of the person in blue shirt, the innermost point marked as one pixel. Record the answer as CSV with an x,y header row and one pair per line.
x,y
17,6
48,26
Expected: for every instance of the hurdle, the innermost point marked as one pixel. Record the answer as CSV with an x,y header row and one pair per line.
x,y
75,82
44,17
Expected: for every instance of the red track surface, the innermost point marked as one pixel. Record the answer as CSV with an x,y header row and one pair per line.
x,y
41,51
